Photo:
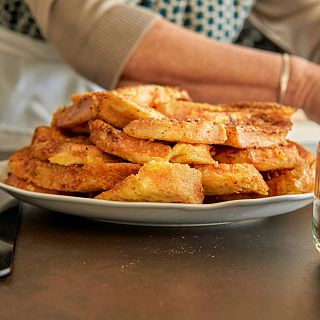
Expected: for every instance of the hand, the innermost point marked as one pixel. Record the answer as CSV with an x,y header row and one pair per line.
x,y
312,103
304,87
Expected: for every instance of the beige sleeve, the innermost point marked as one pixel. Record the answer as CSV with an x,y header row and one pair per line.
x,y
292,24
96,37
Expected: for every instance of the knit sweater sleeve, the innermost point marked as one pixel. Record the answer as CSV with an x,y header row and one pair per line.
x,y
96,37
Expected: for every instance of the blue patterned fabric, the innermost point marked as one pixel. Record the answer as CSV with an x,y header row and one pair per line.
x,y
218,19
16,15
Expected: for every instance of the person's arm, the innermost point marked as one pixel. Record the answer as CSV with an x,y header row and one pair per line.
x,y
96,37
160,52
217,72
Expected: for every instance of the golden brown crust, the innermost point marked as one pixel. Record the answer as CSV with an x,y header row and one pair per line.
x,y
44,133
68,153
232,178
192,153
298,180
237,114
64,159
249,136
14,181
159,182
118,143
153,95
264,159
305,155
255,124
112,107
75,178
266,107
184,110
80,112
119,111
177,131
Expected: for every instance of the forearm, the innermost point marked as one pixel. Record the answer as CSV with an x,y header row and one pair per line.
x,y
212,71
106,40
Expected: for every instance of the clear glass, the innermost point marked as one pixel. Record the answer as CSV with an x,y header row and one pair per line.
x,y
316,204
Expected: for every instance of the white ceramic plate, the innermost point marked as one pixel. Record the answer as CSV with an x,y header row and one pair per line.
x,y
160,214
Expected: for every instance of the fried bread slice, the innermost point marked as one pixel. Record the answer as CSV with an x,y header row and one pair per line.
x,y
250,136
232,178
305,155
159,182
248,124
241,113
192,153
118,143
258,106
153,95
14,181
75,178
68,153
196,131
111,107
298,180
44,133
184,110
264,159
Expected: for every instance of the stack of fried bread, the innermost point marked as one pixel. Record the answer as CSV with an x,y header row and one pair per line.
x,y
152,143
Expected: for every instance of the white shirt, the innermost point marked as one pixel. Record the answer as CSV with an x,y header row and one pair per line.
x,y
34,81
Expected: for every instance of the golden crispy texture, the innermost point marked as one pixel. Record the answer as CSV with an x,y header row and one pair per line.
x,y
14,181
119,111
241,113
153,95
159,182
75,178
232,178
116,142
68,153
248,124
305,155
186,110
44,133
249,136
82,109
265,107
192,153
264,159
297,180
177,131
111,107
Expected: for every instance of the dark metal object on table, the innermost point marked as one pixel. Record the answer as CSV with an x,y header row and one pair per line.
x,y
9,223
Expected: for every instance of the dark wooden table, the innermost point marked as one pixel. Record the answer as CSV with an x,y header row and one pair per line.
x,y
73,268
